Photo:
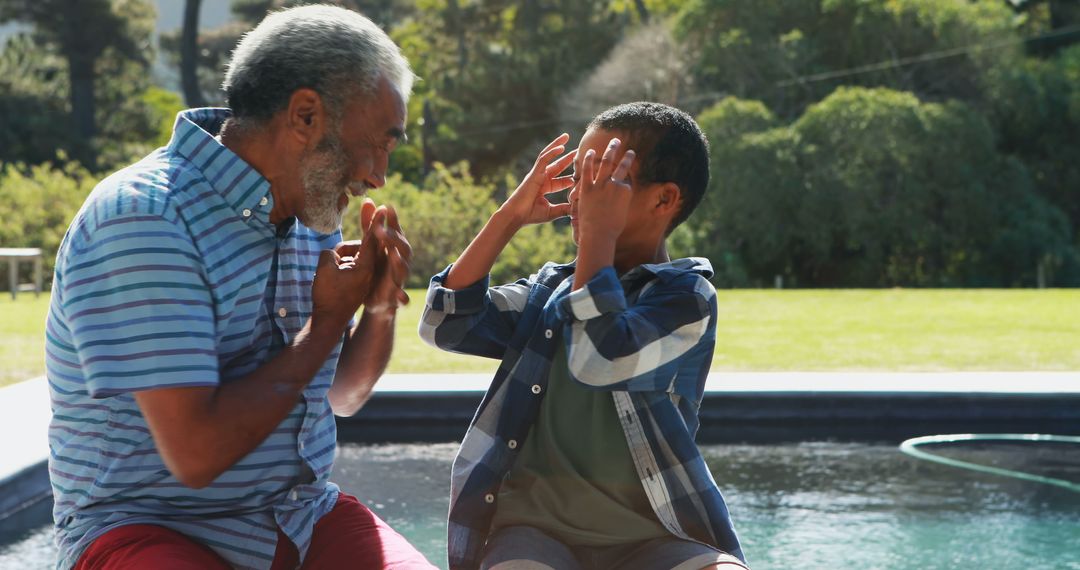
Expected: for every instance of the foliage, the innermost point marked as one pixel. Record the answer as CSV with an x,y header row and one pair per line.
x,y
872,187
79,83
442,216
38,202
791,53
646,65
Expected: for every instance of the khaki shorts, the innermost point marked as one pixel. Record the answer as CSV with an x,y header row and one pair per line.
x,y
526,548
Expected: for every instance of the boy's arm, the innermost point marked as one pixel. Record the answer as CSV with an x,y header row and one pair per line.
x,y
461,313
612,346
527,205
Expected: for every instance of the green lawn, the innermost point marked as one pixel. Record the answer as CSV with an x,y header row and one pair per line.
x,y
765,330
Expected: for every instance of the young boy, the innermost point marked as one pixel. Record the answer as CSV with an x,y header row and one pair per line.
x,y
582,453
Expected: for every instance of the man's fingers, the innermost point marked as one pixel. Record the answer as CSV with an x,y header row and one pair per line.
x,y
348,248
328,258
367,212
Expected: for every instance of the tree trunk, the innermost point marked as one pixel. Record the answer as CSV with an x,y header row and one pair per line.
x,y
642,10
83,105
189,55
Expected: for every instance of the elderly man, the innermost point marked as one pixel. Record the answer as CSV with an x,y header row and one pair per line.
x,y
193,359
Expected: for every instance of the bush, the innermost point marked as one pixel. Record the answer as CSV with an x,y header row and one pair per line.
x,y
872,188
37,204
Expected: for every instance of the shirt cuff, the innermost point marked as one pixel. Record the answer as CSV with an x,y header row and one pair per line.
x,y
460,301
601,295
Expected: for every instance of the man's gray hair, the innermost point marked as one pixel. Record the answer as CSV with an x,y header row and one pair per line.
x,y
336,52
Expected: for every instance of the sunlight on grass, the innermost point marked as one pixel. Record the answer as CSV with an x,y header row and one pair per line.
x,y
22,336
765,330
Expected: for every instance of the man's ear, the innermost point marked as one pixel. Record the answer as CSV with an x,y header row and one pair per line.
x,y
305,117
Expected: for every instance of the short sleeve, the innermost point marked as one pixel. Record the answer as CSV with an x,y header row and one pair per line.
x,y
138,307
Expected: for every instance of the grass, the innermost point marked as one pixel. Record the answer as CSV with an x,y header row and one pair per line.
x,y
764,330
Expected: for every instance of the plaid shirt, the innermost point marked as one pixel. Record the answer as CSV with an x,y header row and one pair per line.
x,y
647,338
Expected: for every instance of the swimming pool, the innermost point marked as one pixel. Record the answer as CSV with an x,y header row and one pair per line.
x,y
809,505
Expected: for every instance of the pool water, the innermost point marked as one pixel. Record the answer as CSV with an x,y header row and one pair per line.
x,y
811,505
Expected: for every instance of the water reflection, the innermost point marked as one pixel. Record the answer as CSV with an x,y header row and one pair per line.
x,y
810,505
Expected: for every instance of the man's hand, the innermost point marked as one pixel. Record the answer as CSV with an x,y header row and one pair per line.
x,y
344,279
529,204
392,264
604,193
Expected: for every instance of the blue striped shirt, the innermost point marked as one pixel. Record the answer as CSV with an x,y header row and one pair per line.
x,y
647,338
172,275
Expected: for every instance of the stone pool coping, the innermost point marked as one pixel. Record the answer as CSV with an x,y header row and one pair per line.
x,y
738,407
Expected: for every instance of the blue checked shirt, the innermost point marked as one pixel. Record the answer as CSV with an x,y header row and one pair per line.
x,y
172,275
647,338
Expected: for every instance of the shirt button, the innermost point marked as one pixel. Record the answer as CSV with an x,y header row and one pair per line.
x,y
489,498
264,201
301,446
547,333
282,312
536,389
247,213
512,444
294,494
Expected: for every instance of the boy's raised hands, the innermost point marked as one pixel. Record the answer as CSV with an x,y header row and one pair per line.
x,y
604,192
529,203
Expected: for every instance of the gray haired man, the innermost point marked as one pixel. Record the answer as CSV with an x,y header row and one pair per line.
x,y
201,333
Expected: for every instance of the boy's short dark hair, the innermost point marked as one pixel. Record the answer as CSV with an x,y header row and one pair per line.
x,y
670,148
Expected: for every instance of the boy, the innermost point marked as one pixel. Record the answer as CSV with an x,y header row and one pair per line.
x,y
582,453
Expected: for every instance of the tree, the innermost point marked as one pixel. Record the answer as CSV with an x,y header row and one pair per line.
x,y
646,65
791,53
84,33
871,188
189,55
494,70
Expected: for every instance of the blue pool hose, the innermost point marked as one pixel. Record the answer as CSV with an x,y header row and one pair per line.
x,y
910,447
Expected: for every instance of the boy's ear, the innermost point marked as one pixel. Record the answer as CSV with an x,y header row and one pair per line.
x,y
668,199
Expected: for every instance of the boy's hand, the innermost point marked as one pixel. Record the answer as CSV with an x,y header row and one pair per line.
x,y
604,193
529,204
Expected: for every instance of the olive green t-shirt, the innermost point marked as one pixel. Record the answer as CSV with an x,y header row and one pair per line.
x,y
574,478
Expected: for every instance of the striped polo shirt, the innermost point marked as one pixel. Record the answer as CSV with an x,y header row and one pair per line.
x,y
172,275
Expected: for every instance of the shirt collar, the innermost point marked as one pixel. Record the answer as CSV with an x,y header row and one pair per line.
x,y
670,269
246,191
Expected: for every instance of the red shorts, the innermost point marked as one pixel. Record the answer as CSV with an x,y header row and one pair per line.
x,y
349,536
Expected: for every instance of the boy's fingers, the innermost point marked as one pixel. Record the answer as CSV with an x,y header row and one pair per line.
x,y
558,211
588,168
559,141
561,164
607,161
546,157
561,183
623,169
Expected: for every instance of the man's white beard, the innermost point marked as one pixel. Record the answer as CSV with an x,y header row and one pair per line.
x,y
323,172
